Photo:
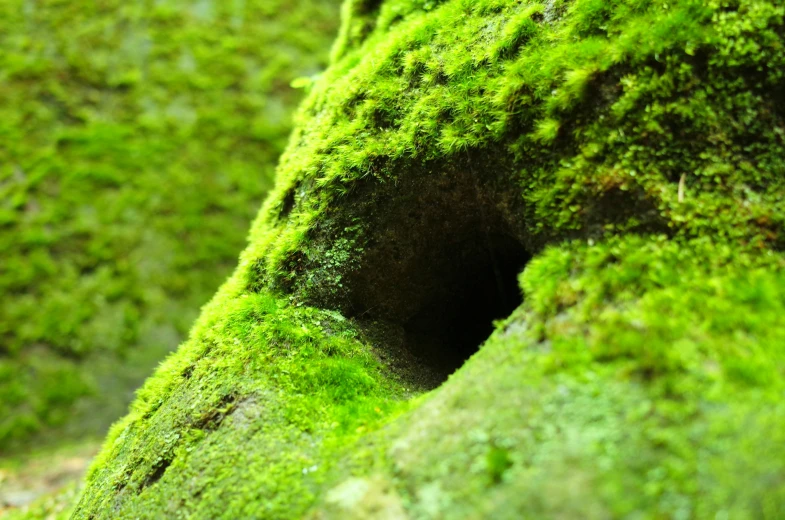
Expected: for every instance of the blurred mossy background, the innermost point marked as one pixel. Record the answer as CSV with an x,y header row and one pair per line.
x,y
137,140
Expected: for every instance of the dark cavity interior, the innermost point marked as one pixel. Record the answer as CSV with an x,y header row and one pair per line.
x,y
475,284
441,264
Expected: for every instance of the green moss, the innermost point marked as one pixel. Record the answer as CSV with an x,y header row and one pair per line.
x,y
670,96
640,377
633,148
138,141
277,377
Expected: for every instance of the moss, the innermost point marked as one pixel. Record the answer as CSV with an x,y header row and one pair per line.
x,y
640,377
632,149
273,375
138,141
671,98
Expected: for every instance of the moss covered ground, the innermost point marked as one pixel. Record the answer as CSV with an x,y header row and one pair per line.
x,y
632,150
138,139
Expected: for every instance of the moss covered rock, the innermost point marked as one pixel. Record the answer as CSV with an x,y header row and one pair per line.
x,y
138,140
626,156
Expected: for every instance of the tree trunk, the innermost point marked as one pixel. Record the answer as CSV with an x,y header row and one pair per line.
x,y
626,157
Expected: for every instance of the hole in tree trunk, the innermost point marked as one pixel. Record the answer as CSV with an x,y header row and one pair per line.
x,y
476,284
423,255
441,263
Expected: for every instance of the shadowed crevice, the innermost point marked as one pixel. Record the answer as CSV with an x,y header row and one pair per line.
x,y
477,284
442,261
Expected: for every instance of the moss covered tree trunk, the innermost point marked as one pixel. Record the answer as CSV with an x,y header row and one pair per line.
x,y
625,156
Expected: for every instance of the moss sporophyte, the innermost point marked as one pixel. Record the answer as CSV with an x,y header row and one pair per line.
x,y
626,157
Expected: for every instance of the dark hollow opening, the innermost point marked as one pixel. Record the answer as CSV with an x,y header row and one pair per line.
x,y
475,282
445,245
